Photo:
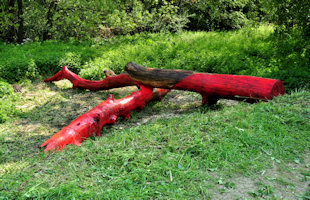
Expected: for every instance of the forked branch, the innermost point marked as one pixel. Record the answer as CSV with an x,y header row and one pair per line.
x,y
117,81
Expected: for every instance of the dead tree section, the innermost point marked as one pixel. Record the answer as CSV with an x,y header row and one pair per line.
x,y
116,81
106,112
210,86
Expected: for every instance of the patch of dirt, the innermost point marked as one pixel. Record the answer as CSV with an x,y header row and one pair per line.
x,y
240,190
17,88
229,102
285,181
181,97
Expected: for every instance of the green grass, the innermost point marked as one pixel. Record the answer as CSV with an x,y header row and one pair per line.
x,y
174,149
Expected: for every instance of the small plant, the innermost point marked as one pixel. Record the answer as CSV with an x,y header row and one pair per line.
x,y
263,190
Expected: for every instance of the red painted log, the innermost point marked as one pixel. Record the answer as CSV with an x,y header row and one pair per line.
x,y
106,112
116,81
210,86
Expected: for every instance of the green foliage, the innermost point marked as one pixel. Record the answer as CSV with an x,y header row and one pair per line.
x,y
16,65
18,62
72,60
293,54
215,15
94,69
7,106
83,19
249,51
291,41
5,89
292,14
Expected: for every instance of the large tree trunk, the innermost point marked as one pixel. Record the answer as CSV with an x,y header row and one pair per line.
x,y
105,113
210,86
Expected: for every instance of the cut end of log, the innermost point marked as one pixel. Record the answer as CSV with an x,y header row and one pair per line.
x,y
277,89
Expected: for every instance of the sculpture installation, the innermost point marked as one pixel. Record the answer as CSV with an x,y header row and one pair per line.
x,y
210,86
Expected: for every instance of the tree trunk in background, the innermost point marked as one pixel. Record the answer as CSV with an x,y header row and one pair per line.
x,y
49,17
20,30
10,37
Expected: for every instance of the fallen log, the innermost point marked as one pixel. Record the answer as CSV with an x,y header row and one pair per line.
x,y
116,81
106,112
210,86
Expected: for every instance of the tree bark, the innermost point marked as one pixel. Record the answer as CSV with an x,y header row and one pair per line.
x,y
106,112
210,86
49,17
20,30
10,37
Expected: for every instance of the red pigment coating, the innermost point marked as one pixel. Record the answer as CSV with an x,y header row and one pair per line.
x,y
229,86
117,81
106,112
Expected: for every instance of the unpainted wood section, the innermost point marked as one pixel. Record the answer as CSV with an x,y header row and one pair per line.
x,y
159,78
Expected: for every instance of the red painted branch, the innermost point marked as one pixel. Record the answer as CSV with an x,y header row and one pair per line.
x,y
106,112
117,81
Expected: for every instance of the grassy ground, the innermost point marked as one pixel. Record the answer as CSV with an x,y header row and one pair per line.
x,y
174,149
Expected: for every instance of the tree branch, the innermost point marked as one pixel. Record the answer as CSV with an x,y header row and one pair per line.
x,y
117,81
106,112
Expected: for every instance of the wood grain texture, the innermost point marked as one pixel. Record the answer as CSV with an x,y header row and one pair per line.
x,y
159,78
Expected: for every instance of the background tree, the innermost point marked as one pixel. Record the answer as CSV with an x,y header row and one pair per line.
x,y
54,19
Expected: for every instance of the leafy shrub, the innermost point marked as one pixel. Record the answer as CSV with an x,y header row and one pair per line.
x,y
7,107
238,52
84,19
18,62
94,70
7,110
248,51
21,68
72,60
5,89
